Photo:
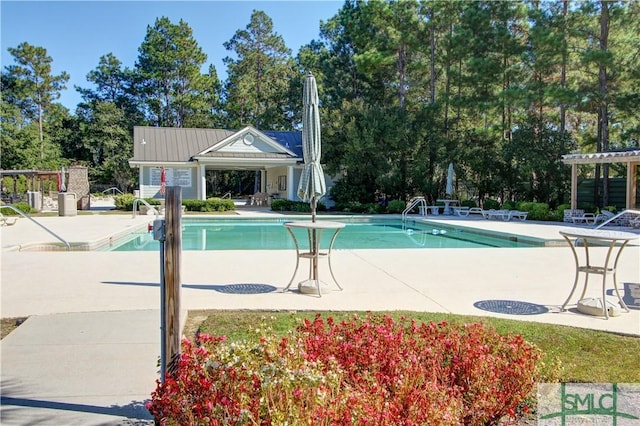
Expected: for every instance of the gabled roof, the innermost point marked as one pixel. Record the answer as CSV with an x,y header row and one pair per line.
x,y
180,145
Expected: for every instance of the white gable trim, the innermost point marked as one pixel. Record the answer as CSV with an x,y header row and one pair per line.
x,y
252,136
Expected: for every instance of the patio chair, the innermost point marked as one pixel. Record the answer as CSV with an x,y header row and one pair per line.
x,y
260,199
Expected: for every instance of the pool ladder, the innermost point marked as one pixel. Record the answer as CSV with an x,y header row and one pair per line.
x,y
149,207
415,201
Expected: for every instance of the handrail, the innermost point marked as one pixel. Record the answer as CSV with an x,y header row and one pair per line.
x,y
113,190
135,204
23,214
414,202
616,217
227,195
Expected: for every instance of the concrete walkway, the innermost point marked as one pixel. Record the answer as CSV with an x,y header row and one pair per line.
x,y
87,355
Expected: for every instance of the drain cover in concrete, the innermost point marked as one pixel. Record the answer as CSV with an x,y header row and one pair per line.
x,y
245,288
512,307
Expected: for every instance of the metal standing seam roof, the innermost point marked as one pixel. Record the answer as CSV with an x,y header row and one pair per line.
x,y
174,144
629,156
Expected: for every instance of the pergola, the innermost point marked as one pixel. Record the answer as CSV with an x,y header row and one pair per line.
x,y
631,158
35,177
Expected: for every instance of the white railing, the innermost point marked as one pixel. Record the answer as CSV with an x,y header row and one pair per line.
x,y
227,195
135,205
416,201
23,214
616,218
113,191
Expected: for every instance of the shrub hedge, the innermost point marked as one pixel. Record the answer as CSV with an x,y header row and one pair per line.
x,y
396,206
367,371
537,211
22,206
281,204
125,202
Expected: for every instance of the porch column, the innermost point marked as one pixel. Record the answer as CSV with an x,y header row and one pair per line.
x,y
574,186
142,182
632,187
291,191
202,186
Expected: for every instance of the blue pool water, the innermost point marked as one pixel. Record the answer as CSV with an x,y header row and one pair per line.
x,y
238,234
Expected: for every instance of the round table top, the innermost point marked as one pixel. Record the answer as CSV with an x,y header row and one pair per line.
x,y
599,234
307,224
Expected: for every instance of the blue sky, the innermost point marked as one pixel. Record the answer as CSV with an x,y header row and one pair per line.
x,y
77,33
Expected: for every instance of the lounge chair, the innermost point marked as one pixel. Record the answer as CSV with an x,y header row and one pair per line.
x,y
602,217
434,210
588,218
569,214
579,216
517,214
461,211
607,215
496,214
7,221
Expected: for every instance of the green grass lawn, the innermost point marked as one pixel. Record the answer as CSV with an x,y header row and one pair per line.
x,y
571,354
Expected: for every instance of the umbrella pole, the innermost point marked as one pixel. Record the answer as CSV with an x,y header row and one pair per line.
x,y
314,242
314,258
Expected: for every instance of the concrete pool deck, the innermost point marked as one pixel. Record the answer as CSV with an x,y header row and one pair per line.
x,y
88,352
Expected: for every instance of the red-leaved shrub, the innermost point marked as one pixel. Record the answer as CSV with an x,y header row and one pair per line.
x,y
371,371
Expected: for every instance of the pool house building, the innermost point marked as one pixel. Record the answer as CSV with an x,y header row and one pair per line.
x,y
186,154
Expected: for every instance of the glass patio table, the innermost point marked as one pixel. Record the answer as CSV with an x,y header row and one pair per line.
x,y
314,234
589,238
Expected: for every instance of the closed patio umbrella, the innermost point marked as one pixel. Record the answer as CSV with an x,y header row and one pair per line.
x,y
449,189
312,185
62,185
163,181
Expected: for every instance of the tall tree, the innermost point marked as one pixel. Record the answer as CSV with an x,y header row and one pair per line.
x,y
625,122
603,89
112,83
17,136
168,69
107,137
34,88
263,86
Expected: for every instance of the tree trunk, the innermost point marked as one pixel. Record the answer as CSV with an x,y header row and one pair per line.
x,y
563,85
432,42
603,109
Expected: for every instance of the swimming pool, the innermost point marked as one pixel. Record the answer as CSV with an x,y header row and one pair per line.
x,y
373,233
